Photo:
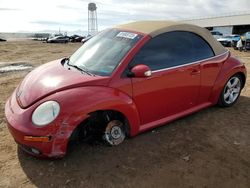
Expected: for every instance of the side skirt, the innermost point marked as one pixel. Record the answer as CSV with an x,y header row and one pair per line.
x,y
168,119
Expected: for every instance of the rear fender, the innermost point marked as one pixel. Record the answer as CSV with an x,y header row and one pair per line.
x,y
231,67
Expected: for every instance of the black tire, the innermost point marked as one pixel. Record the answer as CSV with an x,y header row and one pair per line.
x,y
229,95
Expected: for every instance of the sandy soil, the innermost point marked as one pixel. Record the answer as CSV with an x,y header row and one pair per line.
x,y
210,148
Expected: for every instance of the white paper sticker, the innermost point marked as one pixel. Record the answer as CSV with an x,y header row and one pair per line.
x,y
127,35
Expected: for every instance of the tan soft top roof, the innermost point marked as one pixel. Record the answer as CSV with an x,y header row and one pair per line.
x,y
154,28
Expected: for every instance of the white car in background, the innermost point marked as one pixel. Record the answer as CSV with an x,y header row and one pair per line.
x,y
216,34
229,40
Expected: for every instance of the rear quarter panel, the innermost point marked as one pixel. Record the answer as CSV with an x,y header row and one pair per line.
x,y
210,69
231,67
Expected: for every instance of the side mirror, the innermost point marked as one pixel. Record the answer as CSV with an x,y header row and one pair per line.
x,y
141,71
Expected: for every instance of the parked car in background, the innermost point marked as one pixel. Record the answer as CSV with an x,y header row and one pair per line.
x,y
245,42
72,37
245,36
216,34
2,40
58,39
122,82
76,38
246,45
229,40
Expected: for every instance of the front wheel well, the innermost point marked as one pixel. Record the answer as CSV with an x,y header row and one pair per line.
x,y
98,120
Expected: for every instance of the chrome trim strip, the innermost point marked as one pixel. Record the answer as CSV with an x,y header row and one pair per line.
x,y
196,62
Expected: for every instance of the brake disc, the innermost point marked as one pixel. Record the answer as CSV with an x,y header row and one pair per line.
x,y
114,133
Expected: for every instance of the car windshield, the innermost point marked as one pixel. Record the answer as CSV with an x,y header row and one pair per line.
x,y
228,37
102,53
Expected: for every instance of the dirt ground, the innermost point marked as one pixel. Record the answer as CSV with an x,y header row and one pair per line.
x,y
210,148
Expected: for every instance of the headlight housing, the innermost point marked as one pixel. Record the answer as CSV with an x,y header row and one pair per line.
x,y
45,113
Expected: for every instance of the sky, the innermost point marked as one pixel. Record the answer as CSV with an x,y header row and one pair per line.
x,y
72,15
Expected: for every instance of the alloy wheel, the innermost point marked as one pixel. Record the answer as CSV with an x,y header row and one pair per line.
x,y
232,90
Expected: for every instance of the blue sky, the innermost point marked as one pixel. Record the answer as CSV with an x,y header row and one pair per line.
x,y
71,15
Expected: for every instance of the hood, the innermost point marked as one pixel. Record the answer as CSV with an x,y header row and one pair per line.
x,y
223,39
50,78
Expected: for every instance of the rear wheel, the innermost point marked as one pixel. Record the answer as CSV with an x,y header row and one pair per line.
x,y
231,91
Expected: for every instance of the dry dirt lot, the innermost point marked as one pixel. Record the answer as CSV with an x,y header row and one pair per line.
x,y
210,148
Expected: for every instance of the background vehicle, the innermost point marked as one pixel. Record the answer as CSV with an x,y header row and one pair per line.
x,y
216,34
76,38
247,44
245,41
58,39
245,36
229,40
2,40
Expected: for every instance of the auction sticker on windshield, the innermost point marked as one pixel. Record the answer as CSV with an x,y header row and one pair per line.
x,y
127,35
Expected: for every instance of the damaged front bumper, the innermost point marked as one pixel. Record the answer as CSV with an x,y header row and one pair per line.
x,y
47,141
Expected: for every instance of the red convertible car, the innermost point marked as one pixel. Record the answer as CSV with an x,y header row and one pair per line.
x,y
123,81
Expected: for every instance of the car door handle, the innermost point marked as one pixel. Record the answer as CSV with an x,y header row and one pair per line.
x,y
195,72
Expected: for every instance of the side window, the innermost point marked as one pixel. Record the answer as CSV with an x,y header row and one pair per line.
x,y
172,49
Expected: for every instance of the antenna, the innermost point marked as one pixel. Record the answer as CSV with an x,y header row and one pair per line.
x,y
92,19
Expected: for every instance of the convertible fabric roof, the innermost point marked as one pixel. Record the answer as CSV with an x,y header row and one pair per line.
x,y
155,28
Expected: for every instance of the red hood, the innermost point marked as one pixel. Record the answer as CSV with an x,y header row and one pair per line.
x,y
50,78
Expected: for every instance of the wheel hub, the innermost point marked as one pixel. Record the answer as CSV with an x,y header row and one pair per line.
x,y
114,133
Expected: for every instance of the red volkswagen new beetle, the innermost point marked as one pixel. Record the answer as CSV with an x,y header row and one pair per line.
x,y
121,82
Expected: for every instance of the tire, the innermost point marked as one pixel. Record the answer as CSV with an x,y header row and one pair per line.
x,y
231,91
114,133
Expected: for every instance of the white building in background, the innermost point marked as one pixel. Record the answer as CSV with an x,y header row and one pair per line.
x,y
234,23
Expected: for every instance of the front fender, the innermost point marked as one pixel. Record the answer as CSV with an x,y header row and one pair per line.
x,y
231,67
77,103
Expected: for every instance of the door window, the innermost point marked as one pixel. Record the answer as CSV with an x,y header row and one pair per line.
x,y
173,49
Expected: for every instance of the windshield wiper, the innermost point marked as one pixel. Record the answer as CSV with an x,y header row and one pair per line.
x,y
87,71
83,70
